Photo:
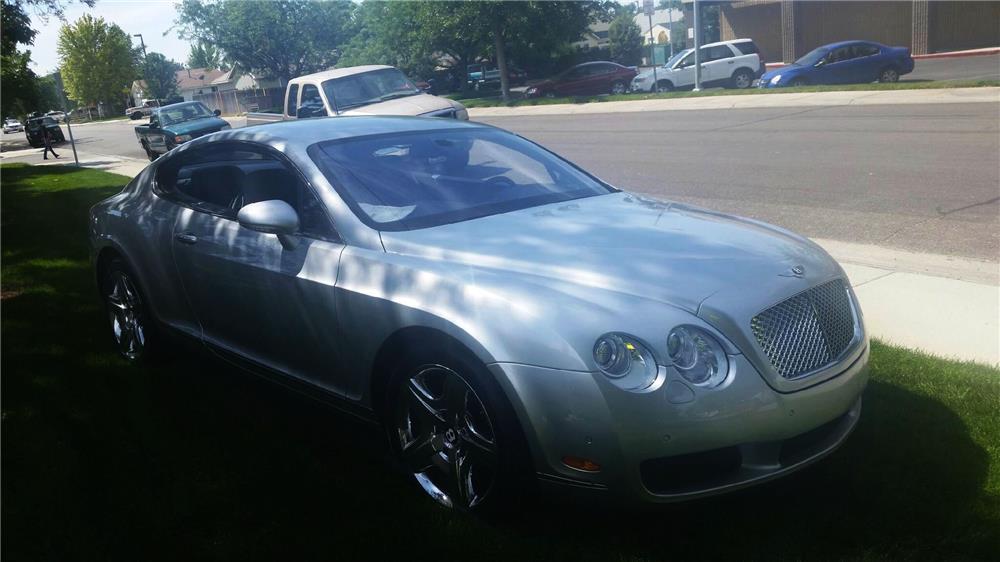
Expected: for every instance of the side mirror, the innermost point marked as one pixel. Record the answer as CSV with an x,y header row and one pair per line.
x,y
819,63
217,112
154,125
271,217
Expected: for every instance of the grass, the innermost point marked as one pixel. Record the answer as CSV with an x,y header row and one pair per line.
x,y
193,460
935,84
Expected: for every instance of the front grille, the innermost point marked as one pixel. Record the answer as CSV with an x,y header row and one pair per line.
x,y
808,331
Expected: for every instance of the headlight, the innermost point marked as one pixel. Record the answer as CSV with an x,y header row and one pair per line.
x,y
624,360
775,79
182,138
532,90
639,79
697,356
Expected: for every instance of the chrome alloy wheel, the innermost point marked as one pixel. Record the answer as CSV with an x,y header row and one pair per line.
x,y
446,437
125,313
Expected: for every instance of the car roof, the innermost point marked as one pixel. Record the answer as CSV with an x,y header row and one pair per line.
x,y
301,133
839,44
337,73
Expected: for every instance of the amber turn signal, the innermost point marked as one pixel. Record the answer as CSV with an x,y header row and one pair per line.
x,y
578,463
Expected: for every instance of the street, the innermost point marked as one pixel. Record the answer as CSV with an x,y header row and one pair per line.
x,y
915,177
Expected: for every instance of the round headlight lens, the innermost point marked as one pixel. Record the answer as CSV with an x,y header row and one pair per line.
x,y
697,356
623,359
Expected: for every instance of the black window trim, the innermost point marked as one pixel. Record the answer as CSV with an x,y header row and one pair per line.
x,y
230,215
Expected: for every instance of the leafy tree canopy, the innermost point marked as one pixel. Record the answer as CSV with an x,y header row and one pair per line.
x,y
97,60
160,76
625,38
282,38
204,55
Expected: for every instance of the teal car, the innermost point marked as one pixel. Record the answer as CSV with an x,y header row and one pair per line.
x,y
172,125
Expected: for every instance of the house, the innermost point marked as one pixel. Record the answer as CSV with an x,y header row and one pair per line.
x,y
596,36
194,81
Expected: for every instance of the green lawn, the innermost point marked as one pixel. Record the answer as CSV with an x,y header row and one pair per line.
x,y
936,84
192,460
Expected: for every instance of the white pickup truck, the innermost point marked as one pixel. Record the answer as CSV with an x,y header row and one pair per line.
x,y
358,90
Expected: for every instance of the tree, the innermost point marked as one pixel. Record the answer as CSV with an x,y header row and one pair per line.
x,y
97,60
282,38
160,76
204,55
625,38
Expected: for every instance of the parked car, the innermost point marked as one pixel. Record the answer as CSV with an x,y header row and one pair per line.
x,y
506,316
173,125
11,125
586,79
144,109
35,125
726,64
484,77
847,62
56,115
358,90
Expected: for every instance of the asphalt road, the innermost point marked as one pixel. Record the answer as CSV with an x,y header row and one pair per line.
x,y
917,177
983,67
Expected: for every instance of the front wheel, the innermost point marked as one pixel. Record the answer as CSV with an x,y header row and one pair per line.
x,y
618,88
452,430
888,75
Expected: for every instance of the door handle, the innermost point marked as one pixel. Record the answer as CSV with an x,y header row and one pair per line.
x,y
186,238
731,62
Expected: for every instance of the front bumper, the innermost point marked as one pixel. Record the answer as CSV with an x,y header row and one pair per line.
x,y
678,442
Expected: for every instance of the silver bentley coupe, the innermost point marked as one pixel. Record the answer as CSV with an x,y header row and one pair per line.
x,y
513,322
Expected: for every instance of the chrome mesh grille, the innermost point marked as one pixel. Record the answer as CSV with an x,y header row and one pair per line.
x,y
808,331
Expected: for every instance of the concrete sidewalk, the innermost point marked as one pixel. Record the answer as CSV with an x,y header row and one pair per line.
x,y
745,101
940,304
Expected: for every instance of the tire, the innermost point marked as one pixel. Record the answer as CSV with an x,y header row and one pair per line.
x,y
618,88
446,416
663,86
135,116
742,79
149,153
132,328
888,75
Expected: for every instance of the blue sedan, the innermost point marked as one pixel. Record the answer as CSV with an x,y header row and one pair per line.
x,y
847,62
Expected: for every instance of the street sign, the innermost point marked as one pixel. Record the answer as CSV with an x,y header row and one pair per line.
x,y
647,7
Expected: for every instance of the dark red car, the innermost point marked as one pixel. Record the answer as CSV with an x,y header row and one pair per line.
x,y
587,79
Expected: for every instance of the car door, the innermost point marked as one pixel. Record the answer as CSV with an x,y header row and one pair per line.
x,y
718,65
155,137
252,294
836,67
599,79
683,73
571,83
866,63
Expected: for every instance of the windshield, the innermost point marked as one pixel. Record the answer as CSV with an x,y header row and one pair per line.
x,y
812,57
678,56
183,112
429,178
368,87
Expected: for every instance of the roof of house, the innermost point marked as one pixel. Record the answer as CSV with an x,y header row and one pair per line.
x,y
194,78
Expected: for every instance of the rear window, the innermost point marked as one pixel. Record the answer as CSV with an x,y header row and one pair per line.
x,y
747,47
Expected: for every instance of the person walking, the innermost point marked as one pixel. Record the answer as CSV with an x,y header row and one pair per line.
x,y
47,139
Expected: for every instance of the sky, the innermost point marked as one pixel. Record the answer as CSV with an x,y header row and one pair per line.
x,y
151,18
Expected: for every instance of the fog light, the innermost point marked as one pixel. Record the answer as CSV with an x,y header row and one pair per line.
x,y
578,463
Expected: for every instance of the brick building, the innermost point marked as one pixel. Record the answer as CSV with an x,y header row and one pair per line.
x,y
787,29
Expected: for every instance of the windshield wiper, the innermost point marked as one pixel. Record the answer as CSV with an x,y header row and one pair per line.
x,y
396,95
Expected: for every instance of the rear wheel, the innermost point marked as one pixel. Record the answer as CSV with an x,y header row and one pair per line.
x,y
742,79
618,88
149,153
453,431
135,115
888,75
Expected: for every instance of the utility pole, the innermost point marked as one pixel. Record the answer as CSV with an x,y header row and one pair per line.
x,y
697,46
67,117
143,44
647,6
670,30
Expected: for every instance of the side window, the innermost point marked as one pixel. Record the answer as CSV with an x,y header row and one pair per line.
x,y
221,181
747,47
602,69
312,103
687,61
865,50
840,55
718,52
293,93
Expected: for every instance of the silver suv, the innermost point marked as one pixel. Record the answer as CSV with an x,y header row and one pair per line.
x,y
729,64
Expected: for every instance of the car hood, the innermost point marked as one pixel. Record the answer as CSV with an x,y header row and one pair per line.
x,y
197,126
410,105
668,252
